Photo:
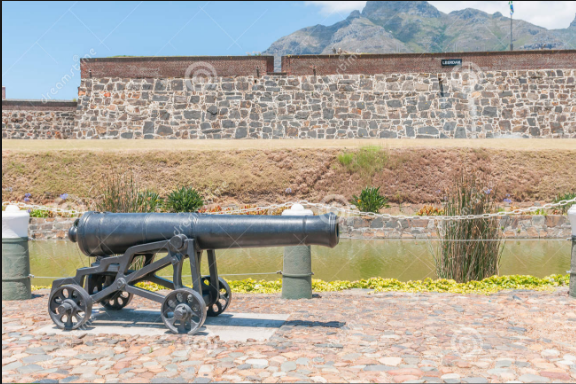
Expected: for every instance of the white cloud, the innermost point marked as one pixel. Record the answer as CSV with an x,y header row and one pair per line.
x,y
547,14
332,7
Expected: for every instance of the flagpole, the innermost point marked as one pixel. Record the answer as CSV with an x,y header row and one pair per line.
x,y
511,31
511,25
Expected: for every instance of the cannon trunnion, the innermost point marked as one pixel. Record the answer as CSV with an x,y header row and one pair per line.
x,y
127,246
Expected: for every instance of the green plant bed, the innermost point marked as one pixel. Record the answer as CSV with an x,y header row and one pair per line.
x,y
487,286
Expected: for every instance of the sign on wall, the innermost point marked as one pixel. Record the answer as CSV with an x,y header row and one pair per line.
x,y
451,62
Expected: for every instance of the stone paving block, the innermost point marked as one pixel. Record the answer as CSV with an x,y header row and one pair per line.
x,y
391,337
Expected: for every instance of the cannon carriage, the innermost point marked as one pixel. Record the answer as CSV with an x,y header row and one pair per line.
x,y
128,249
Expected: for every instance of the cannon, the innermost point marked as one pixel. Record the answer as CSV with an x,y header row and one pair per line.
x,y
131,248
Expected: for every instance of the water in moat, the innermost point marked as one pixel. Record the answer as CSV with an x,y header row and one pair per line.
x,y
350,260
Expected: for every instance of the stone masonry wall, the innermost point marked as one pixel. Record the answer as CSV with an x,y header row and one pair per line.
x,y
529,227
460,104
529,94
31,119
50,229
514,227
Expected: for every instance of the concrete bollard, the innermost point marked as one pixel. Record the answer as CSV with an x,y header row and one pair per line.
x,y
297,274
16,284
572,217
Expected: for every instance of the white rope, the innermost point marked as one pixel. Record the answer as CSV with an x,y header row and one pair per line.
x,y
169,277
400,217
235,274
329,208
44,208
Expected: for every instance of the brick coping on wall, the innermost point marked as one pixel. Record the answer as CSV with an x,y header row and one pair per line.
x,y
372,64
38,105
176,66
231,66
436,54
173,58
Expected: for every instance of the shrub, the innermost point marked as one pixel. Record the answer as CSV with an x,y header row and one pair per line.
x,y
122,195
41,214
469,249
185,199
567,196
367,161
149,201
370,200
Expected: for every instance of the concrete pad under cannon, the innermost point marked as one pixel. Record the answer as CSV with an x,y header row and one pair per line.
x,y
228,326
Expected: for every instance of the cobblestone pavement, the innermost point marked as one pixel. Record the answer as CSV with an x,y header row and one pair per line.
x,y
337,337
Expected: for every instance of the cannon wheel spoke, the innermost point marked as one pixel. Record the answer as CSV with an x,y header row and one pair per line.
x,y
70,307
115,301
184,311
224,300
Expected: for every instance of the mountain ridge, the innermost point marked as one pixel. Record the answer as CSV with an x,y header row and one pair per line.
x,y
418,27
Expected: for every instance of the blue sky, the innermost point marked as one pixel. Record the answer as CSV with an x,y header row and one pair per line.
x,y
43,41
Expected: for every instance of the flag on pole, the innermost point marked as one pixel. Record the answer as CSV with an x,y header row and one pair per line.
x,y
511,7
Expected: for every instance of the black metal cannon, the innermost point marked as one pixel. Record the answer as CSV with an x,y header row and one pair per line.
x,y
126,247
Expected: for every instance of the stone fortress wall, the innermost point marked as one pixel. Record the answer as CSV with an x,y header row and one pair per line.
x,y
530,94
33,119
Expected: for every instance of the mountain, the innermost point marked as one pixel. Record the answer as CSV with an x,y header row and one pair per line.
x,y
417,26
354,33
567,35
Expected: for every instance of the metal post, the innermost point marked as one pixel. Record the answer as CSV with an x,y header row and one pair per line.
x,y
573,269
297,274
16,284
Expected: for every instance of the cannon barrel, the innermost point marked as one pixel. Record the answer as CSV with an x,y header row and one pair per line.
x,y
106,234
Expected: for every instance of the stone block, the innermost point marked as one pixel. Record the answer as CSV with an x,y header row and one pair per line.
x,y
555,221
428,131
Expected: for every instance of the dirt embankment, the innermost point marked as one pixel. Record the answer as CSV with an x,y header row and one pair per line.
x,y
413,175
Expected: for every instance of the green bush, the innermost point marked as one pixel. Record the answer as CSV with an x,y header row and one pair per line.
x,y
567,196
185,199
469,250
40,214
370,200
367,161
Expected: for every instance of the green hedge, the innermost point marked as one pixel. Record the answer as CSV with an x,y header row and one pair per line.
x,y
487,286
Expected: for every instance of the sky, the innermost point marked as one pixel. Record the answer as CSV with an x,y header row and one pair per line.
x,y
547,14
43,42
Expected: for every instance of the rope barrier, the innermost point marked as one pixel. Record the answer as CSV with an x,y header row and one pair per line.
x,y
401,217
330,208
44,208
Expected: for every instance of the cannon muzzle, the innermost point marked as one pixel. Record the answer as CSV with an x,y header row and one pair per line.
x,y
106,234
